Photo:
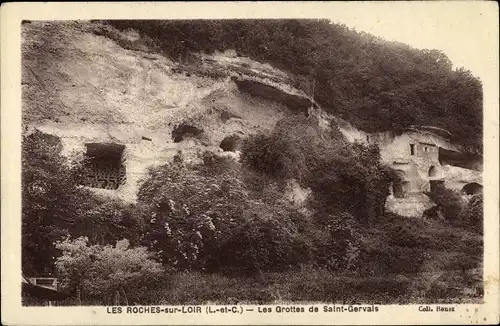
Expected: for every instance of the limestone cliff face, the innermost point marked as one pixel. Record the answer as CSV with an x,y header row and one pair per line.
x,y
84,87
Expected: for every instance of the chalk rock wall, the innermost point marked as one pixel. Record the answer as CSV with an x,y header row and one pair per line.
x,y
457,177
86,88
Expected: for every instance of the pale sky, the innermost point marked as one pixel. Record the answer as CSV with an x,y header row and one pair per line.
x,y
462,30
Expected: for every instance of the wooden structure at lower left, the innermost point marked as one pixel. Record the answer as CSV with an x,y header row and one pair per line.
x,y
44,294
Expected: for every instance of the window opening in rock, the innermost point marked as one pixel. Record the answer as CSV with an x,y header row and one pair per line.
x,y
412,149
104,166
472,188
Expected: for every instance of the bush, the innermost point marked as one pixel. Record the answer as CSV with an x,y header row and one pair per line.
x,y
262,240
206,218
55,205
273,156
189,210
450,202
342,176
338,246
216,216
473,214
102,271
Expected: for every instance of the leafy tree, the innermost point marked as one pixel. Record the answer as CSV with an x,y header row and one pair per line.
x,y
48,206
450,202
98,271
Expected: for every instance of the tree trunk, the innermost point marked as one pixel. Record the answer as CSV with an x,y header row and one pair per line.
x,y
117,298
125,296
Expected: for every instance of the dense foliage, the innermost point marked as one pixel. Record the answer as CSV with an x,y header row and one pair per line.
x,y
98,271
374,84
217,217
473,213
196,224
342,176
54,206
450,202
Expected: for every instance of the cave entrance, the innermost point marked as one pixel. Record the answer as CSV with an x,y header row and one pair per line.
x,y
400,186
436,184
104,166
230,143
472,188
185,130
397,190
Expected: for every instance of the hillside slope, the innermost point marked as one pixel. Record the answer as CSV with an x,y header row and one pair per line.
x,y
374,84
85,87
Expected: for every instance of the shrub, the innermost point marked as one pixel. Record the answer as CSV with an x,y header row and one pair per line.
x,y
450,203
272,156
263,239
207,219
215,164
101,271
473,214
338,247
342,176
216,216
354,181
189,210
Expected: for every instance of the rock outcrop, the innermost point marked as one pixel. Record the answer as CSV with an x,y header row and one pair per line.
x,y
88,83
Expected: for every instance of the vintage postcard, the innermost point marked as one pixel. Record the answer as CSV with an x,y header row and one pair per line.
x,y
250,163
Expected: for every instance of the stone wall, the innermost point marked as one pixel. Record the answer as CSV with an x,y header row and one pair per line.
x,y
415,155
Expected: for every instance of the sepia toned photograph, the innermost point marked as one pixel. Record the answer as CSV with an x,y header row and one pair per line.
x,y
257,163
242,161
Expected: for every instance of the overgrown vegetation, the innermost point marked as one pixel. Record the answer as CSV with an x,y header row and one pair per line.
x,y
458,210
55,206
223,231
374,84
226,224
97,273
450,203
218,217
343,176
